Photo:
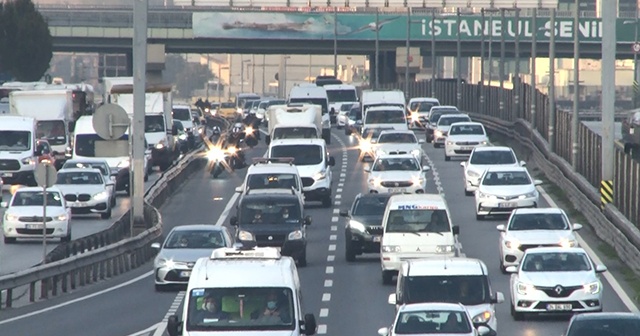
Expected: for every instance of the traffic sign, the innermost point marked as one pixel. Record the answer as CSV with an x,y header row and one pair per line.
x,y
110,121
636,47
46,175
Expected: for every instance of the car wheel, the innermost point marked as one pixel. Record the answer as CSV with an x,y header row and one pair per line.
x,y
516,315
302,260
146,177
349,253
479,217
447,158
113,201
387,277
106,215
9,240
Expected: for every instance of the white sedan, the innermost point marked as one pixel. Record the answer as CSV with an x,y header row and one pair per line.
x,y
463,137
397,174
399,142
444,124
481,159
23,217
555,280
529,228
85,190
433,319
503,189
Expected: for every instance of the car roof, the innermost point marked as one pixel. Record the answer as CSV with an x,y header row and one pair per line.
x,y
444,266
274,195
555,249
424,99
272,168
493,148
373,195
181,106
506,169
319,142
523,211
414,198
271,191
385,108
79,170
199,227
397,131
607,315
396,156
432,306
444,107
88,160
454,115
468,123
243,272
36,189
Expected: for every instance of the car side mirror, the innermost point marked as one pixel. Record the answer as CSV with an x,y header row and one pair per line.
x,y
174,326
537,182
307,220
344,213
332,161
426,169
155,246
577,227
511,269
463,164
383,331
501,228
456,230
523,164
497,297
239,189
4,204
310,325
233,221
392,299
601,268
358,122
483,330
421,141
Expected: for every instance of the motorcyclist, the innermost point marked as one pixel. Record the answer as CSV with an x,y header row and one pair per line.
x,y
252,121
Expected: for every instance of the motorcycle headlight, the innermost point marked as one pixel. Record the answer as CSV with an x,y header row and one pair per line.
x,y
248,130
511,244
61,218
438,133
232,150
390,248
415,117
28,161
365,146
215,154
483,317
568,243
528,195
160,145
245,235
321,175
357,226
524,288
200,130
444,248
297,234
592,288
101,196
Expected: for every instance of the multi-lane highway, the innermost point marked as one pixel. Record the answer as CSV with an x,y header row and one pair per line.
x,y
27,253
347,298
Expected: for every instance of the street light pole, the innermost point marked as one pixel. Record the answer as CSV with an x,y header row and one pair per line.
x,y
635,67
482,62
534,52
608,92
377,56
335,41
516,78
576,88
140,15
264,59
552,80
242,75
408,59
458,61
253,73
490,48
433,53
502,60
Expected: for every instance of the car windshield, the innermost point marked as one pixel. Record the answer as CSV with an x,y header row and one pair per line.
x,y
355,113
79,177
153,123
346,107
373,133
270,211
447,121
263,104
466,289
420,220
556,262
86,144
181,114
435,115
492,157
538,221
337,96
398,138
15,140
422,106
612,326
34,198
370,206
276,102
240,309
466,130
303,155
103,167
396,164
272,181
506,178
52,131
295,133
195,239
432,322
385,117
227,105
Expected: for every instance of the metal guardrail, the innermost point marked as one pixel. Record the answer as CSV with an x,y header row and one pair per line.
x,y
51,279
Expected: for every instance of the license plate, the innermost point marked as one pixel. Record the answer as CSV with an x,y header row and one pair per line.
x,y
506,205
466,148
34,226
559,306
397,190
185,274
79,204
377,239
6,174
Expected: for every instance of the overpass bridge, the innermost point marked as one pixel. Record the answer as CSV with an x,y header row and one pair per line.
x,y
310,30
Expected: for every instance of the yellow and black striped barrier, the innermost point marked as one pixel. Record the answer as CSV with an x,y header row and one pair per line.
x,y
606,193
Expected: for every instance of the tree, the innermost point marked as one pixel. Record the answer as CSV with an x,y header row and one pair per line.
x,y
26,45
187,76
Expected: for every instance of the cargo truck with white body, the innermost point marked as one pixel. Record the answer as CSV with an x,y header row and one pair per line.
x,y
18,153
317,95
294,121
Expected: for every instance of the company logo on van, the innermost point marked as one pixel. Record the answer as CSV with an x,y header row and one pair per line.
x,y
417,207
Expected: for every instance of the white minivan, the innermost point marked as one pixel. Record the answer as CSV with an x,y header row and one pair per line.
x,y
316,95
415,226
386,116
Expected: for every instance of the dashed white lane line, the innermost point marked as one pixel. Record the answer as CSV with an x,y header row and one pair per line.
x,y
324,312
339,190
333,237
322,329
329,270
337,203
328,283
338,196
326,297
336,211
343,175
332,247
340,185
334,219
334,228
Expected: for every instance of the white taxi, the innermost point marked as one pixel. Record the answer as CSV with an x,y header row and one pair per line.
x,y
415,227
463,137
503,189
399,142
400,173
529,228
23,216
481,159
85,191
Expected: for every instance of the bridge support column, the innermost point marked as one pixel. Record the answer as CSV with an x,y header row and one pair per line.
x,y
129,56
155,63
387,67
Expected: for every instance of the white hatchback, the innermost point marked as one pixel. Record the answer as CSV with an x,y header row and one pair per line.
x,y
481,159
529,228
463,137
503,189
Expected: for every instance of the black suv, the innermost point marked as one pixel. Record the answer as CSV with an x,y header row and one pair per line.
x,y
604,324
363,230
273,217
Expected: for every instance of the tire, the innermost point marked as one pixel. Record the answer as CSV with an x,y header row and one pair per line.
x,y
479,217
113,202
468,193
326,202
9,240
146,177
106,215
503,269
66,238
447,158
349,253
326,135
387,277
516,315
302,260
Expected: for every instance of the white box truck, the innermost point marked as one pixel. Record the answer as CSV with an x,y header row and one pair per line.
x,y
294,121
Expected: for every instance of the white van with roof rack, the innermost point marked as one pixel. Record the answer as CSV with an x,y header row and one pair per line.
x,y
272,173
259,294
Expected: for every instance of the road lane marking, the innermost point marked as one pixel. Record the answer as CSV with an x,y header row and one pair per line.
x,y
322,329
328,283
339,190
337,203
145,331
332,247
334,228
341,184
329,270
334,219
324,312
333,237
331,258
326,297
336,211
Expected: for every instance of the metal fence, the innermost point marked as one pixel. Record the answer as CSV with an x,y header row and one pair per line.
x,y
626,179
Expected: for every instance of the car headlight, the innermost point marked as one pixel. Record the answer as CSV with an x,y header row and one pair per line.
x,y
528,195
10,217
524,288
592,288
484,143
167,263
123,164
390,248
101,196
472,173
28,161
380,152
444,248
357,226
438,133
450,143
511,244
416,152
568,243
321,175
417,180
297,234
483,195
483,317
61,218
375,181
245,235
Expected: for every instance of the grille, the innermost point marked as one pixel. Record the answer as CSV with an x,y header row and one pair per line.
x,y
526,247
374,230
507,198
33,219
467,143
33,231
397,152
307,181
553,291
458,151
84,197
70,197
9,165
174,275
277,239
396,184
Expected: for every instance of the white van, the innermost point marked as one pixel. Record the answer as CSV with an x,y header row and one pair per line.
x,y
312,159
415,226
232,291
371,98
340,94
316,95
272,173
453,280
386,116
18,155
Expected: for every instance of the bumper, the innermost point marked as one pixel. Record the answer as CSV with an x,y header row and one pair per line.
x,y
17,229
471,183
455,150
412,189
510,257
393,261
539,302
363,242
495,207
318,190
172,276
80,208
24,177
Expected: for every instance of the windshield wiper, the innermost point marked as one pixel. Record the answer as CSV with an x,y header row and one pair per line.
x,y
440,233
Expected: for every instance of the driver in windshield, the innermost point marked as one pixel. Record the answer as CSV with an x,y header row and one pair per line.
x,y
438,222
285,213
257,218
467,293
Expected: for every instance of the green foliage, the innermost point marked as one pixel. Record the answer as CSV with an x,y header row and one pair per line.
x,y
26,45
187,76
